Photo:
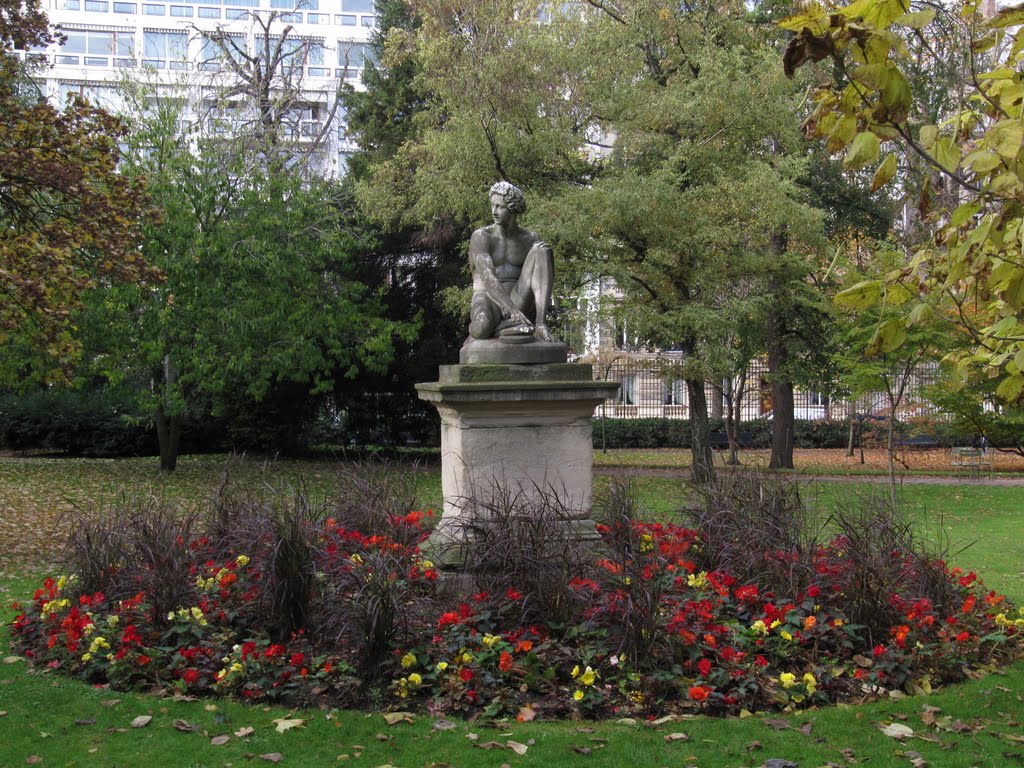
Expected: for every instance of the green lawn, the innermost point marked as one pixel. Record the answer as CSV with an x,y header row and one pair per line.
x,y
65,723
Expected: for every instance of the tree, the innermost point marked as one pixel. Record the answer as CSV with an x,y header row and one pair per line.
x,y
262,291
632,129
71,222
971,270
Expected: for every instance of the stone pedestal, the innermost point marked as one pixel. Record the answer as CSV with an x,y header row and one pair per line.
x,y
525,428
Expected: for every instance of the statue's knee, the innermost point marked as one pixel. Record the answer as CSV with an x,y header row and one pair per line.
x,y
479,328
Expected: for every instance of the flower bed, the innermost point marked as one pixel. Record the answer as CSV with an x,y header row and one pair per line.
x,y
359,618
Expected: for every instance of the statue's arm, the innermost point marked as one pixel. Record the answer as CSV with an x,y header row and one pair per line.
x,y
482,266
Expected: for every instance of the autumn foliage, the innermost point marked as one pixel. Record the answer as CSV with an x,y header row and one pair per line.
x,y
70,220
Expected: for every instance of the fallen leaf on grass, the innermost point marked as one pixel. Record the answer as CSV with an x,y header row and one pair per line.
x,y
284,724
384,737
86,721
1012,737
443,725
184,726
515,746
3,713
12,659
670,737
490,745
915,759
219,741
141,721
806,728
896,730
778,762
581,750
754,746
110,702
394,718
271,757
776,723
243,732
472,736
33,759
662,720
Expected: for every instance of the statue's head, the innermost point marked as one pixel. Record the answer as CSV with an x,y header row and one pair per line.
x,y
512,195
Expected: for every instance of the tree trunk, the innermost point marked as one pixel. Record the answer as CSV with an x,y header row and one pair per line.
x,y
167,417
702,459
851,415
782,391
716,404
891,457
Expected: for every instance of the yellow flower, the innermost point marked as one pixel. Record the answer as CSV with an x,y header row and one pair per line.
x,y
86,656
646,543
788,679
697,580
785,635
442,665
408,660
170,616
236,667
467,658
424,564
197,613
759,627
588,676
577,696
775,624
113,619
576,671
356,558
242,560
489,640
415,678
61,583
98,643
810,683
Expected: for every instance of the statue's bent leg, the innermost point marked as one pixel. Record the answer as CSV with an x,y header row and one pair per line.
x,y
483,317
534,287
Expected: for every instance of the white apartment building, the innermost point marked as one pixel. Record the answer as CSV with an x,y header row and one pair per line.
x,y
170,45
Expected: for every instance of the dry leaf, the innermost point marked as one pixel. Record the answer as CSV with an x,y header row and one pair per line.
x,y
472,736
12,659
515,746
271,757
896,730
33,759
185,726
393,718
580,750
243,732
663,720
776,723
285,724
806,728
86,721
443,725
526,713
219,741
110,702
676,737
3,713
754,746
141,721
928,715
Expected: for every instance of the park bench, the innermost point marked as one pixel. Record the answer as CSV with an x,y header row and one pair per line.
x,y
720,440
972,459
917,443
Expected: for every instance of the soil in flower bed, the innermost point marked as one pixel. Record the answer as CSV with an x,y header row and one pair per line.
x,y
277,598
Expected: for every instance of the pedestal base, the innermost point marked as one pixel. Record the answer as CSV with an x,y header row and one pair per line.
x,y
514,431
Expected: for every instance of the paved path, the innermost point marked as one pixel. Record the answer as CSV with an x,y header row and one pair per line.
x,y
969,480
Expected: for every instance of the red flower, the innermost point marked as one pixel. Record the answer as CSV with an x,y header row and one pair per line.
x,y
466,674
963,637
968,605
191,676
699,693
143,659
513,595
704,667
505,661
297,659
878,650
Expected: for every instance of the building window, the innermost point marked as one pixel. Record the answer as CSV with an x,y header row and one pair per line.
x,y
357,6
209,13
368,21
97,6
212,56
95,43
125,8
291,18
235,13
353,57
153,10
318,18
69,5
165,50
344,20
182,11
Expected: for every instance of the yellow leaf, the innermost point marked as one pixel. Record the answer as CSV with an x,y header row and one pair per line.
x,y
981,161
946,152
284,724
394,718
1009,388
916,20
1005,137
864,150
888,336
884,173
860,296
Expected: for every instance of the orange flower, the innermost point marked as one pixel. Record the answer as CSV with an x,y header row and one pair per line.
x,y
699,693
505,661
524,646
809,622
